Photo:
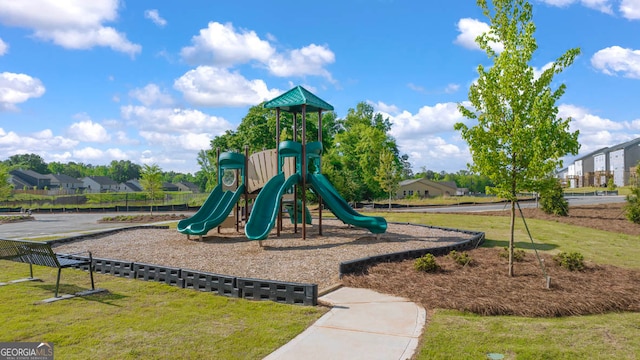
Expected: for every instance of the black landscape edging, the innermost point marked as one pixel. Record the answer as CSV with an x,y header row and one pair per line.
x,y
231,286
358,266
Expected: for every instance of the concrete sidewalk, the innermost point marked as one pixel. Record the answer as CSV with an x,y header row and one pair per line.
x,y
362,324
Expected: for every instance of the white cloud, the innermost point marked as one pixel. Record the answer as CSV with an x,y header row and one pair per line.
x,y
469,30
18,88
223,46
630,9
211,86
4,47
428,120
88,131
604,6
428,136
73,24
220,45
12,143
595,131
617,60
451,88
154,16
174,121
150,95
309,60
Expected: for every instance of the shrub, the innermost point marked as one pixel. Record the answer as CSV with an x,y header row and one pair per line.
x,y
570,261
552,200
426,263
632,208
462,258
518,254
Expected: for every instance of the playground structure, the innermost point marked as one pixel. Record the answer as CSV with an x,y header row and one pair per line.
x,y
274,173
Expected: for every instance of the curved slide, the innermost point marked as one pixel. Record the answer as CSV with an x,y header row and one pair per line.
x,y
212,213
342,209
265,209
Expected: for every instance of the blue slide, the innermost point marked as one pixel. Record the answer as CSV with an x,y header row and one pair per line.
x,y
212,213
265,209
342,209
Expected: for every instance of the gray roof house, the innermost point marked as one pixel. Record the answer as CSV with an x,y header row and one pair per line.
x,y
622,158
65,183
99,184
187,186
132,186
29,179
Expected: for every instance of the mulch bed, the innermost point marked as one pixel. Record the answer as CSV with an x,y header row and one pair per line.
x,y
142,219
485,287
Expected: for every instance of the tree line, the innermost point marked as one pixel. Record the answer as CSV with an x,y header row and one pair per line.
x,y
118,170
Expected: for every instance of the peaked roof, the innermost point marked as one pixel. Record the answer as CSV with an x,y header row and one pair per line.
x,y
102,180
62,178
293,100
626,145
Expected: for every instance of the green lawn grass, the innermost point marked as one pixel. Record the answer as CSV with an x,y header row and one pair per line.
x,y
142,320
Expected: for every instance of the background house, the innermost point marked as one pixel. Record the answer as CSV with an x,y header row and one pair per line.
x,y
99,184
188,186
425,188
597,167
64,184
29,179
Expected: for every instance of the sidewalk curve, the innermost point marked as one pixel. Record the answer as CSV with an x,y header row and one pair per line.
x,y
362,324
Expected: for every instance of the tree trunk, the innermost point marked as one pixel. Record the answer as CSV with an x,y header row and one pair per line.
x,y
511,237
389,201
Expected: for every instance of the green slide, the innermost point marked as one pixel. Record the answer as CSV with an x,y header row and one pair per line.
x,y
265,209
342,209
219,203
212,213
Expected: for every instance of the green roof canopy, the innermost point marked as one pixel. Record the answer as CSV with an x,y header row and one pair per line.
x,y
292,101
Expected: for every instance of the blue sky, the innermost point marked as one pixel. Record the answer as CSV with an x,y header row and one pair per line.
x,y
154,82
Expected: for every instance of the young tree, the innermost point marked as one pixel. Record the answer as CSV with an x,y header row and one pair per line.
x,y
151,181
388,174
5,186
209,170
518,139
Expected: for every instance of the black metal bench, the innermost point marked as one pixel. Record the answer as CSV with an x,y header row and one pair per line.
x,y
40,253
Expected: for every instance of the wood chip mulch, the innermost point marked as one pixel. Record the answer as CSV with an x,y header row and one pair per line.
x,y
485,288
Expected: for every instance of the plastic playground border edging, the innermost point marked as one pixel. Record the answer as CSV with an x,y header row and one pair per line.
x,y
250,288
359,266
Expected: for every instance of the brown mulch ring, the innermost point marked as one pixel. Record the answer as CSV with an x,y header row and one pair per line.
x,y
142,218
485,287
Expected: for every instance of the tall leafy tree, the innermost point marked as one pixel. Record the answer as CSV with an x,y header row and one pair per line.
x,y
352,162
123,170
151,181
32,162
518,138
